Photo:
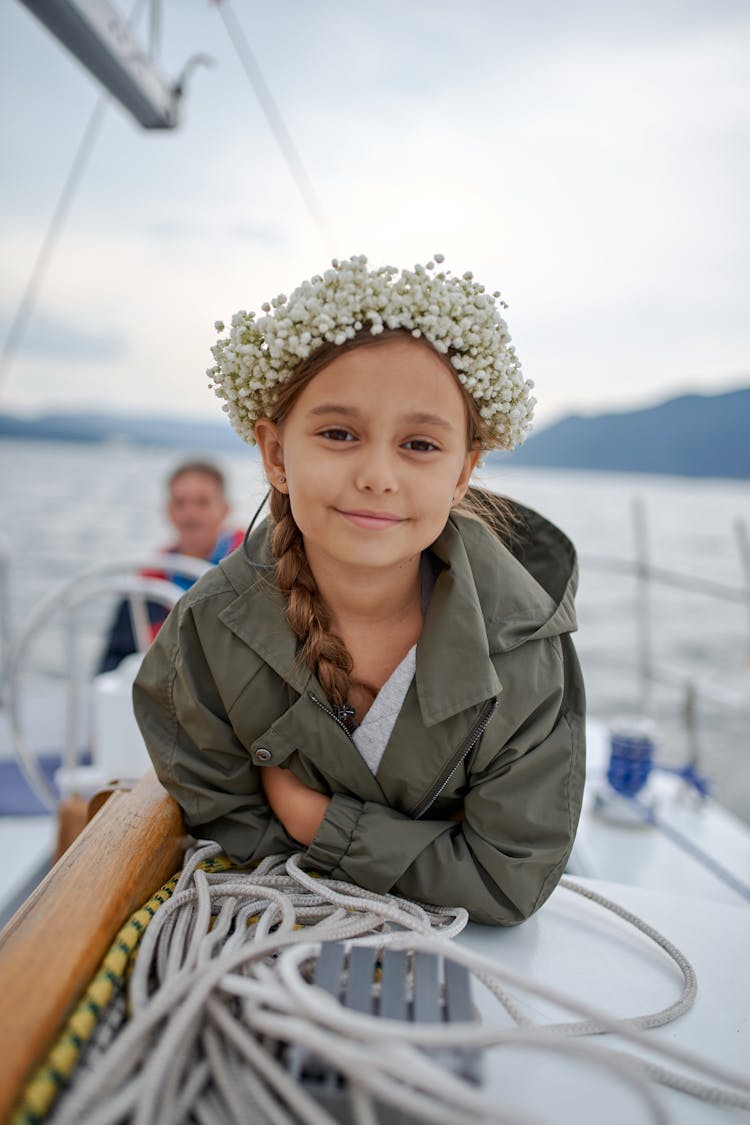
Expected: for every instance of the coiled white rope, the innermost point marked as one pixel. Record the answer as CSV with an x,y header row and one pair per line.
x,y
223,977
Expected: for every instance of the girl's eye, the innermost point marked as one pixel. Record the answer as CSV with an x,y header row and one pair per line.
x,y
421,445
337,435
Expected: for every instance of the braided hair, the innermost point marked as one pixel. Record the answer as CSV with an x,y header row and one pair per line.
x,y
323,651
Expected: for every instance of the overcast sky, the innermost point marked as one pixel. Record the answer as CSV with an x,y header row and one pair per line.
x,y
589,159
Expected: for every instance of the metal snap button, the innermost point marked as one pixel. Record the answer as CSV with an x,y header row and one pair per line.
x,y
262,755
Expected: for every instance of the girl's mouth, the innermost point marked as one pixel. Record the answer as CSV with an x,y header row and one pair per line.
x,y
372,521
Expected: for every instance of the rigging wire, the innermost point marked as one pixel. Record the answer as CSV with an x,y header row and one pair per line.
x,y
275,119
59,215
85,148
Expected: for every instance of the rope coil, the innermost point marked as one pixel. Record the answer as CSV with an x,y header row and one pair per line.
x,y
222,985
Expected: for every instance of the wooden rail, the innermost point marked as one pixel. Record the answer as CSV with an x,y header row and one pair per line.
x,y
52,947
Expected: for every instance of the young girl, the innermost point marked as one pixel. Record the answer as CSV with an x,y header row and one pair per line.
x,y
383,677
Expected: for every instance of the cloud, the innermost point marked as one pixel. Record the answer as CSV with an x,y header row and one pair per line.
x,y
52,339
589,160
185,229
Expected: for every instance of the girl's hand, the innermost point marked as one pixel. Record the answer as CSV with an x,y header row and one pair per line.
x,y
299,808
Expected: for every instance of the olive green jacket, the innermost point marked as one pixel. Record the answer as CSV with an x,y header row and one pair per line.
x,y
493,724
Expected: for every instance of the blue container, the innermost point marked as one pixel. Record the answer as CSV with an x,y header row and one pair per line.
x,y
631,756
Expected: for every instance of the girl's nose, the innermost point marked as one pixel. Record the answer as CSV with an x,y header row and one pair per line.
x,y
376,471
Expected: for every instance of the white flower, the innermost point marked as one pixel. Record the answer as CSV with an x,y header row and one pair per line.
x,y
454,314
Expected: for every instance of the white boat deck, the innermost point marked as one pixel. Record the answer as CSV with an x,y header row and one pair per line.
x,y
696,848
575,946
27,844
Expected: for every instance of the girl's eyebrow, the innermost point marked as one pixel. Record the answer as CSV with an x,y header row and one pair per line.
x,y
428,420
415,419
334,408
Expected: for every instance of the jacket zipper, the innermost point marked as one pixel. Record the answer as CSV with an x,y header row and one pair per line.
x,y
469,744
333,715
466,748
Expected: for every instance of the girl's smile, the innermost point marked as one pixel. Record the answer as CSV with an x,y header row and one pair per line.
x,y
373,521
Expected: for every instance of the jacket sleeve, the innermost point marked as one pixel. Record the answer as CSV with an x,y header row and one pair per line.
x,y
520,812
195,752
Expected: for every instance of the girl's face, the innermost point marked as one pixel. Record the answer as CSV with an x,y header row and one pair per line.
x,y
374,454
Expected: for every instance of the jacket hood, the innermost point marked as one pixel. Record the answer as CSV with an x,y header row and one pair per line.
x,y
526,583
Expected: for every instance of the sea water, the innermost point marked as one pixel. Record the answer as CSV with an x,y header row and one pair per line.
x,y
65,507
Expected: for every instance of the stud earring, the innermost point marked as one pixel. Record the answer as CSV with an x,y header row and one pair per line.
x,y
282,480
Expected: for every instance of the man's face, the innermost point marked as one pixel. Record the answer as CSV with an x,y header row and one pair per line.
x,y
197,509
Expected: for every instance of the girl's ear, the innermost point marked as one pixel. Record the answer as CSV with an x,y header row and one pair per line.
x,y
462,484
271,445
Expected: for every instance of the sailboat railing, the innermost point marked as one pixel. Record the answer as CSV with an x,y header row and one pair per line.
x,y
652,670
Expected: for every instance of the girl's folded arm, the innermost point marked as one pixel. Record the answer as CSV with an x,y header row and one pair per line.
x,y
195,752
509,851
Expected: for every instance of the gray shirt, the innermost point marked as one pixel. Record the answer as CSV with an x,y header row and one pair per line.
x,y
372,734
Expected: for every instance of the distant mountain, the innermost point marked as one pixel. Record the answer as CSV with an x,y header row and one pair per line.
x,y
693,435
165,432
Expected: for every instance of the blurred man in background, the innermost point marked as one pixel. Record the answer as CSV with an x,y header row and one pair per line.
x,y
197,508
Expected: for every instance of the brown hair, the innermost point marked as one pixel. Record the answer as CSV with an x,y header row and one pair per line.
x,y
323,651
205,468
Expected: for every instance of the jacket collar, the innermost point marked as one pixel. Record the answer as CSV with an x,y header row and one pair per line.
x,y
494,604
258,614
523,594
454,670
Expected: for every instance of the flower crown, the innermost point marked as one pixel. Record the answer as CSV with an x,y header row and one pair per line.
x,y
454,314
